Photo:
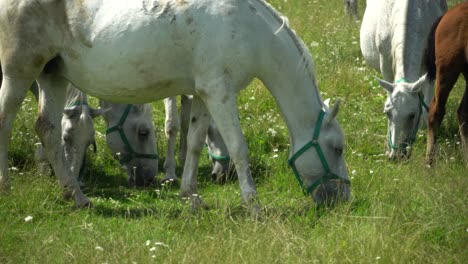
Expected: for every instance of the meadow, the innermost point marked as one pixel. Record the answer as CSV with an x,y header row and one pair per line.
x,y
398,213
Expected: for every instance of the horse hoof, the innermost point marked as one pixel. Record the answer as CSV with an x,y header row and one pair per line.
x,y
197,204
85,205
256,212
169,180
67,194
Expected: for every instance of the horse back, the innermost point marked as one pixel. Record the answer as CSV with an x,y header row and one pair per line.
x,y
451,35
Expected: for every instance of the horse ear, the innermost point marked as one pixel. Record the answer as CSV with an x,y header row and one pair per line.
x,y
419,84
98,112
386,85
334,111
326,105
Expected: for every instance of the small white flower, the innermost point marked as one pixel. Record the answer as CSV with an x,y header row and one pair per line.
x,y
275,156
314,44
153,256
272,131
147,242
371,172
99,248
452,158
152,249
28,218
354,172
161,244
378,257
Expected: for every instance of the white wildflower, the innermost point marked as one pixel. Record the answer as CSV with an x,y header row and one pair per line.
x,y
28,218
272,131
99,248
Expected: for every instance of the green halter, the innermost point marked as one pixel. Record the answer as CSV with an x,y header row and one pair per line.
x,y
412,139
131,153
315,144
76,103
218,157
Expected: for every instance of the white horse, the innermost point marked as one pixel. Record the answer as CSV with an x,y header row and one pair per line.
x,y
141,51
393,38
137,153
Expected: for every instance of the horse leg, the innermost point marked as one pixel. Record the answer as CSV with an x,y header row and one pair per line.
x,y
12,93
48,127
185,106
223,109
463,119
171,128
197,131
446,76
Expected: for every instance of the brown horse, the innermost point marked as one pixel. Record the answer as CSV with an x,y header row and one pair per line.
x,y
446,58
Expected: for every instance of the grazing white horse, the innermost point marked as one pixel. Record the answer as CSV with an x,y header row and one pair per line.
x,y
140,51
393,38
78,134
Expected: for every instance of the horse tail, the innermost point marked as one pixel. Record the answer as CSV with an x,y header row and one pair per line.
x,y
430,52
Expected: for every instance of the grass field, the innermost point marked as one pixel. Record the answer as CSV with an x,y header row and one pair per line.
x,y
399,212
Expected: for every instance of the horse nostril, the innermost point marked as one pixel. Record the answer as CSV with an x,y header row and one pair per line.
x,y
143,132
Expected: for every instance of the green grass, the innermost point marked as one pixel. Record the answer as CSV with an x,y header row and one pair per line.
x,y
399,212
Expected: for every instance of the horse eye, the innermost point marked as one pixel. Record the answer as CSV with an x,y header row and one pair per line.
x,y
339,151
389,114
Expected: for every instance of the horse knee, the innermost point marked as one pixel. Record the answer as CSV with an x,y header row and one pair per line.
x,y
171,127
44,127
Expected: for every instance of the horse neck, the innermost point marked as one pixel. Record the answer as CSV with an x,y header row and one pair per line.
x,y
412,20
286,69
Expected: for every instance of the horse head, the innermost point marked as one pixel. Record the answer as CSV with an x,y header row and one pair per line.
x,y
218,155
321,161
130,136
78,134
404,108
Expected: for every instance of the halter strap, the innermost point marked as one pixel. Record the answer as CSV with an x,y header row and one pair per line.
x,y
401,80
131,153
315,144
76,103
218,157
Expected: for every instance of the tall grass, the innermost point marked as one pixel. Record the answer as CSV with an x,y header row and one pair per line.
x,y
399,212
